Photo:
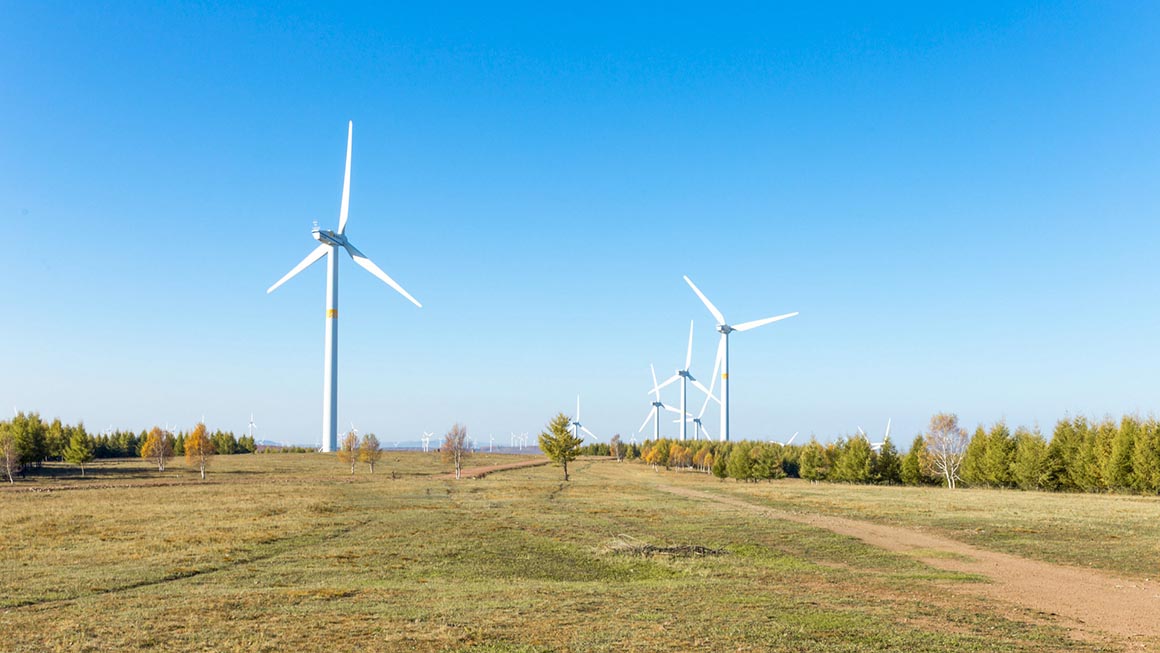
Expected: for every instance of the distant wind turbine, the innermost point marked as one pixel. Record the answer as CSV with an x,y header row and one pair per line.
x,y
577,426
685,377
724,328
657,406
329,242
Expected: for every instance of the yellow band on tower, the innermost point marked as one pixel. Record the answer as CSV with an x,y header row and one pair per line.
x,y
724,376
332,313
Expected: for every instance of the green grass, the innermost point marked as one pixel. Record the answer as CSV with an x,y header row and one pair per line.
x,y
289,552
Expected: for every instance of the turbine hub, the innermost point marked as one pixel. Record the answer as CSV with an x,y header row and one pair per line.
x,y
328,237
725,329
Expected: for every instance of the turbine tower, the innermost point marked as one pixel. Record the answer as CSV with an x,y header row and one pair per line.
x,y
329,242
724,328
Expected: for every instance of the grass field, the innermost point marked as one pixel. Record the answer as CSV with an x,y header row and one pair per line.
x,y
290,552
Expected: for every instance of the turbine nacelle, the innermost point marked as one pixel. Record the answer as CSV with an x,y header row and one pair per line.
x,y
329,237
725,329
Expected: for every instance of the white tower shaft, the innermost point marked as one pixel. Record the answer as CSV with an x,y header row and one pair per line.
x,y
724,387
330,356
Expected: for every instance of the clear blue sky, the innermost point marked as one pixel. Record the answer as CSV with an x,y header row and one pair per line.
x,y
961,200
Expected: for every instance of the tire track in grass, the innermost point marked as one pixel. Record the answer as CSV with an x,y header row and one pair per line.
x,y
1091,602
279,547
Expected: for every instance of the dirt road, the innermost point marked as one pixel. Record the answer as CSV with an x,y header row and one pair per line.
x,y
1089,601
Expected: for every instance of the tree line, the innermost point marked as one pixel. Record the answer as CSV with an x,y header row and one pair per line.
x,y
1081,456
27,442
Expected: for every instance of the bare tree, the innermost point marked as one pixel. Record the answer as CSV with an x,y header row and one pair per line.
x,y
455,448
616,447
370,451
348,450
945,445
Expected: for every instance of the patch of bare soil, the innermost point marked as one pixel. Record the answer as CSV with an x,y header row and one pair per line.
x,y
480,472
1089,602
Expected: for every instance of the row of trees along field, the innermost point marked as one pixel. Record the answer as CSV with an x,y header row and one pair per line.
x,y
27,441
1081,456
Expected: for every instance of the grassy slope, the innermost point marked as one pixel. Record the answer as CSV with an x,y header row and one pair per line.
x,y
287,552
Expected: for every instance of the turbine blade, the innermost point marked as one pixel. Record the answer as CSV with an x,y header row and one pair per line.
x,y
745,326
656,388
671,409
646,420
369,265
342,212
863,433
689,351
790,441
590,433
705,300
313,256
887,436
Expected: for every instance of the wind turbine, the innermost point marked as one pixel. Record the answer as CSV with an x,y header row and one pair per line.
x,y
577,426
698,427
329,242
426,439
657,405
724,328
877,446
490,443
787,442
252,426
685,377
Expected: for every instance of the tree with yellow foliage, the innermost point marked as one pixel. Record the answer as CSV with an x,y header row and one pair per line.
x,y
158,447
348,450
199,448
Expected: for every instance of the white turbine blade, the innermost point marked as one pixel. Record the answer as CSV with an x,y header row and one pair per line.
x,y
717,363
745,326
704,405
646,420
705,300
369,265
689,351
887,436
577,408
669,380
671,409
590,433
862,432
342,212
656,388
790,441
313,256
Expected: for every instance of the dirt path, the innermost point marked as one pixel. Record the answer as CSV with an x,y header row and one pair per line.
x,y
480,472
1089,601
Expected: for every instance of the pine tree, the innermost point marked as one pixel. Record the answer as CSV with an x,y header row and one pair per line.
x,y
855,464
813,462
911,469
558,444
740,465
1030,469
1118,470
1146,459
998,456
972,471
79,450
888,466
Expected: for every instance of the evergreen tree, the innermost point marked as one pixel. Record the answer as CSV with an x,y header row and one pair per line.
x,y
28,431
79,450
1146,459
813,462
855,464
888,466
721,462
911,469
558,444
1030,469
998,456
972,471
740,464
55,440
1118,470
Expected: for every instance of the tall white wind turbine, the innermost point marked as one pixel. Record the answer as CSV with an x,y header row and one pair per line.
x,y
724,328
329,242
